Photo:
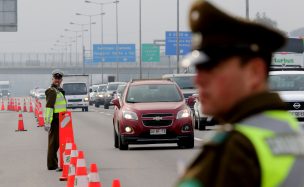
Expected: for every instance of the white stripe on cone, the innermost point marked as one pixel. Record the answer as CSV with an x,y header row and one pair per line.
x,y
72,170
94,177
81,181
68,146
81,163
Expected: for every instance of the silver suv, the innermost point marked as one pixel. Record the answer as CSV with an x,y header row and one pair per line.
x,y
289,84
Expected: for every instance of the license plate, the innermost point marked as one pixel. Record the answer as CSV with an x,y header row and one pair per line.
x,y
157,131
297,114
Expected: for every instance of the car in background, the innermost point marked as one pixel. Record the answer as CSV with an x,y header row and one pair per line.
x,y
40,93
120,90
185,83
150,112
109,94
76,91
92,94
100,95
202,121
5,93
288,82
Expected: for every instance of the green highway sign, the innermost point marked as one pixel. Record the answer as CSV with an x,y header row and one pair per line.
x,y
150,53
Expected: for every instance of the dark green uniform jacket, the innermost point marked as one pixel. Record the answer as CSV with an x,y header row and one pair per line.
x,y
229,159
53,138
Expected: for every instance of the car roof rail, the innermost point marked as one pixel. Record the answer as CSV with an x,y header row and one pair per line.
x,y
137,80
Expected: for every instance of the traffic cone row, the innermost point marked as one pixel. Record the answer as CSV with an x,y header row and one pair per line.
x,y
74,169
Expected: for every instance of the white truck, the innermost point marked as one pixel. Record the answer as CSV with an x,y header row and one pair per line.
x,y
287,59
292,54
76,91
4,89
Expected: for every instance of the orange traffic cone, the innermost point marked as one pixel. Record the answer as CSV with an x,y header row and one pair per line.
x,y
20,123
81,177
2,107
40,119
24,106
66,161
116,183
94,180
72,166
31,107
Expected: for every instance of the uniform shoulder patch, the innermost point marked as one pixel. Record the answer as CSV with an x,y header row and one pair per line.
x,y
190,183
219,137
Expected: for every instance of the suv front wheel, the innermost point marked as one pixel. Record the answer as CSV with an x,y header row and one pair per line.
x,y
186,143
121,144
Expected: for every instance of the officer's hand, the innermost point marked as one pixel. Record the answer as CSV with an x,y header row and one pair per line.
x,y
47,127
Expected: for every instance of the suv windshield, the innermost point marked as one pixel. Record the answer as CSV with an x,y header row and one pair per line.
x,y
113,87
75,88
286,82
101,88
184,82
153,93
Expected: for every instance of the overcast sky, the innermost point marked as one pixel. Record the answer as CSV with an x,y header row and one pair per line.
x,y
41,22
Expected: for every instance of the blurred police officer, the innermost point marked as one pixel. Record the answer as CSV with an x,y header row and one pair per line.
x,y
55,103
260,143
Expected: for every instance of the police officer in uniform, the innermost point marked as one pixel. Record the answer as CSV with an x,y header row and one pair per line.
x,y
260,143
55,103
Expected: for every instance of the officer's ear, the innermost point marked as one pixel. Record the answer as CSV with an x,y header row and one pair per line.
x,y
256,71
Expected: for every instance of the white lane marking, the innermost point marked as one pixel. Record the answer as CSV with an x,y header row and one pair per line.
x,y
101,112
109,114
198,139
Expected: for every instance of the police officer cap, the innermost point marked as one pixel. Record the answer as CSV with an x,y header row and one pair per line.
x,y
217,35
57,73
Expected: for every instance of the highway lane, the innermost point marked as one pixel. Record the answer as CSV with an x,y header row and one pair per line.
x,y
23,154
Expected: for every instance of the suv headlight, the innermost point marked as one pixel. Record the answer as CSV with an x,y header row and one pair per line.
x,y
86,99
109,95
129,115
183,114
100,95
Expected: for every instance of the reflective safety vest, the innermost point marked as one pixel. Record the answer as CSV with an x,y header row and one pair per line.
x,y
279,144
60,104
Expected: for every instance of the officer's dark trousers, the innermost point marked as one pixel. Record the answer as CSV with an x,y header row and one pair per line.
x,y
53,145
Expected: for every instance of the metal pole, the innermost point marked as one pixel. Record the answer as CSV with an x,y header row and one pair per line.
x,y
140,62
247,9
90,37
76,48
117,71
177,40
82,47
101,54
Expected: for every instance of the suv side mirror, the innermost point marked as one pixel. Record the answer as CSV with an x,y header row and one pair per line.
x,y
116,103
95,91
90,90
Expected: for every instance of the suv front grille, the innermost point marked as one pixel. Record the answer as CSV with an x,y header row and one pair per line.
x,y
74,100
156,115
154,123
295,105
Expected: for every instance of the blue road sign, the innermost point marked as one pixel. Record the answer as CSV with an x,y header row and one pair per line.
x,y
108,53
185,40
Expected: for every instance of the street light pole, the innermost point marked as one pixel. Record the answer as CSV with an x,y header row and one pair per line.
x,y
82,45
140,55
247,9
117,70
177,40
